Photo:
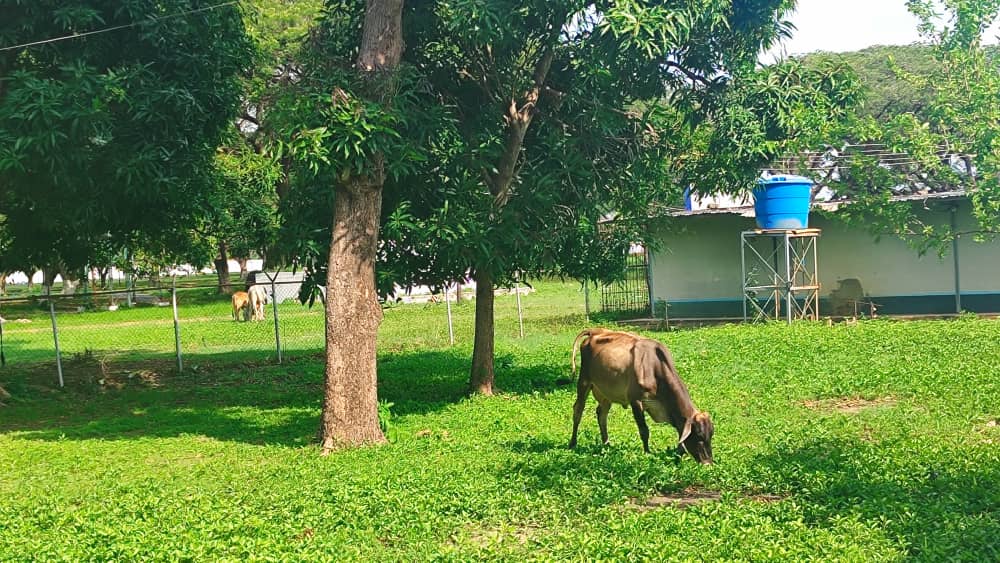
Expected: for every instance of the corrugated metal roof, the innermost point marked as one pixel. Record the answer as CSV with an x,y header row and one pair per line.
x,y
747,211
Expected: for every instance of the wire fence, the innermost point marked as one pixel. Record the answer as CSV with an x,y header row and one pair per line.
x,y
168,323
183,327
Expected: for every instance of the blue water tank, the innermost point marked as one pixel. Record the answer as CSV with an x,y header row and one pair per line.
x,y
782,202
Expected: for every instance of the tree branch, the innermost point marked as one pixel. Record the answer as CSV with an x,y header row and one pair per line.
x,y
693,76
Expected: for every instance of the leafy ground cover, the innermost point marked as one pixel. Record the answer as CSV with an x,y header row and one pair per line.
x,y
875,441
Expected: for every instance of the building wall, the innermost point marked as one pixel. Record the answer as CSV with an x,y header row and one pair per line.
x,y
698,270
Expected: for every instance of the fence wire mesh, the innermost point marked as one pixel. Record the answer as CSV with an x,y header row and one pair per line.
x,y
139,325
184,326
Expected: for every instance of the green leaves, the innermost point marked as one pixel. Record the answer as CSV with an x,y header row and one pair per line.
x,y
652,29
113,134
938,135
773,112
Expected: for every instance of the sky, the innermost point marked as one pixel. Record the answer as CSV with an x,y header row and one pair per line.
x,y
849,25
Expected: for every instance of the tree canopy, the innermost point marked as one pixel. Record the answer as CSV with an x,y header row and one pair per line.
x,y
518,126
938,131
111,135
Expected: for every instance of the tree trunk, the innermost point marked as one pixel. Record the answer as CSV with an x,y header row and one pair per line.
x,y
243,268
500,182
481,378
458,292
353,314
222,268
49,279
103,272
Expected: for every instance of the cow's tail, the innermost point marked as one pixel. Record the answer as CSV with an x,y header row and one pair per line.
x,y
576,343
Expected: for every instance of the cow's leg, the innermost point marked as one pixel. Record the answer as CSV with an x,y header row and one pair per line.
x,y
640,421
582,390
603,408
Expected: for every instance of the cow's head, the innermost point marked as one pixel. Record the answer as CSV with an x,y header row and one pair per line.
x,y
696,437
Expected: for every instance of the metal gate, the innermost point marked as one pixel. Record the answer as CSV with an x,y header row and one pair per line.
x,y
631,294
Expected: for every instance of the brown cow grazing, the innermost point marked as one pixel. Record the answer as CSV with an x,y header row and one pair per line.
x,y
629,370
241,304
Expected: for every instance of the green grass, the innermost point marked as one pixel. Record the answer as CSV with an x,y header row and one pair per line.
x,y
208,333
218,464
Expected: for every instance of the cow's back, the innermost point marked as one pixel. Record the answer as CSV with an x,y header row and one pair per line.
x,y
610,365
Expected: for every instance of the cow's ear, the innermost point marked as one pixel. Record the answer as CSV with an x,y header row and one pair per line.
x,y
686,432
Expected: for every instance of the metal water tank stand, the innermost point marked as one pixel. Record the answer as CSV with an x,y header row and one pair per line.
x,y
782,282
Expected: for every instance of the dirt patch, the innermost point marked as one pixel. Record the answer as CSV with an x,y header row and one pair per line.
x,y
683,499
484,537
989,431
766,498
692,496
849,405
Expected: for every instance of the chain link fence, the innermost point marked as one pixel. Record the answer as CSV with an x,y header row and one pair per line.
x,y
182,325
96,334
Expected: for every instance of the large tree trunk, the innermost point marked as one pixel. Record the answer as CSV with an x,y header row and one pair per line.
x,y
243,268
481,378
222,268
353,314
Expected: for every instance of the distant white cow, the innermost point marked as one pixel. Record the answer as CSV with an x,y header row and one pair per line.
x,y
258,298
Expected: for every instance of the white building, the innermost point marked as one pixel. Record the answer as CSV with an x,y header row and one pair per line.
x,y
697,270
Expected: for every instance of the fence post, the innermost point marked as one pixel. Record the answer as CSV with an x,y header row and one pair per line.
x,y
451,327
649,282
177,324
55,333
274,307
520,317
128,279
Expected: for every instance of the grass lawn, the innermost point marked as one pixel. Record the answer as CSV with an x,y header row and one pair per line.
x,y
877,441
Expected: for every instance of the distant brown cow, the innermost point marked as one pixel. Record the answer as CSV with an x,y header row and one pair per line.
x,y
241,304
629,370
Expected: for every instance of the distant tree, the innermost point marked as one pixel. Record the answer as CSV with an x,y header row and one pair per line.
x,y
883,72
947,141
243,217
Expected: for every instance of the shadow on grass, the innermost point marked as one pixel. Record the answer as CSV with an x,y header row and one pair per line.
x,y
941,506
249,402
943,509
591,476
